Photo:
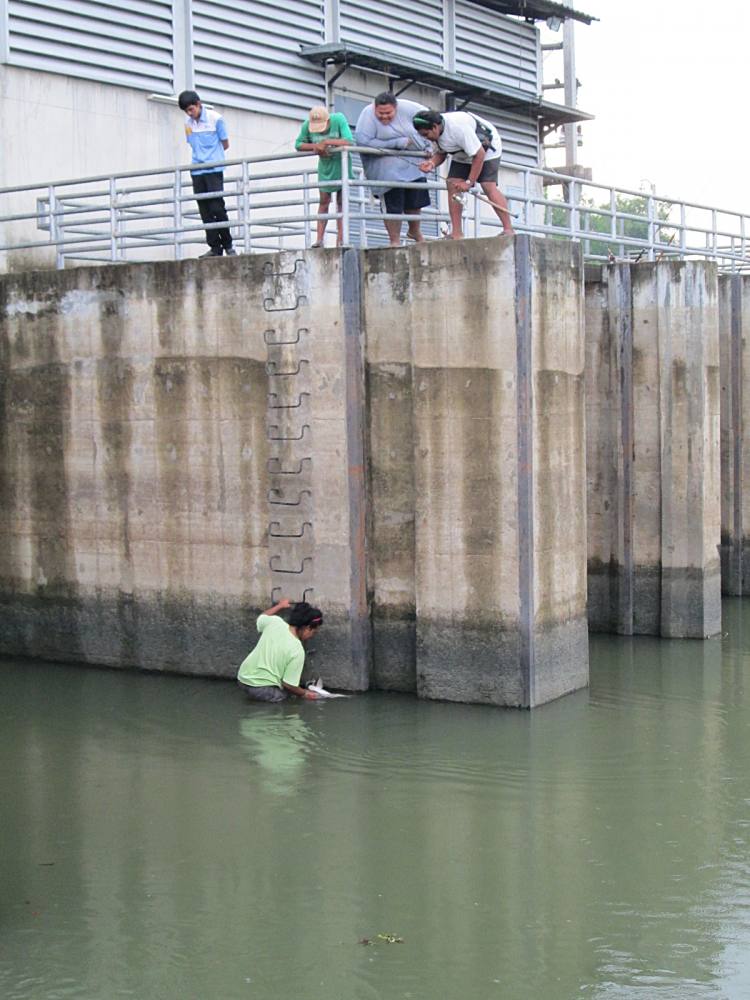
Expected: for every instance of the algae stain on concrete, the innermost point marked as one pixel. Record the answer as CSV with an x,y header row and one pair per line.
x,y
39,568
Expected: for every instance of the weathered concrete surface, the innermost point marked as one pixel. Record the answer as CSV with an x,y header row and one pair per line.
x,y
734,317
609,449
493,623
151,472
125,542
316,474
389,317
653,449
556,619
183,443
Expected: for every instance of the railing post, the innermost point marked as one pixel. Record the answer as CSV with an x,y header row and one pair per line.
x,y
526,196
55,228
714,227
622,250
113,248
651,226
306,205
246,205
364,204
585,228
575,223
742,236
683,228
177,212
345,197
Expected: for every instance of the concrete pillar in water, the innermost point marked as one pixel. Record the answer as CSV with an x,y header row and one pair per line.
x,y
316,442
653,449
734,317
609,449
489,457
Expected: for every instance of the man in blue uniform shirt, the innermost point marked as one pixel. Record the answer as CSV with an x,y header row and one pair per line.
x,y
207,135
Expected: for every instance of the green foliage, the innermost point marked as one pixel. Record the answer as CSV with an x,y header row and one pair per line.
x,y
593,220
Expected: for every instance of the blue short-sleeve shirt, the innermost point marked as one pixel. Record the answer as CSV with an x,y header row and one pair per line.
x,y
205,136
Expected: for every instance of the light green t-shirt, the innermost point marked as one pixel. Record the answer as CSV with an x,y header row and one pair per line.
x,y
279,656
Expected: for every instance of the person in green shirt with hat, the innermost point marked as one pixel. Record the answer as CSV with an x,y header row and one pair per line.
x,y
272,671
321,133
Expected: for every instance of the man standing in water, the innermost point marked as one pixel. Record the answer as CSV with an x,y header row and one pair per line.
x,y
273,669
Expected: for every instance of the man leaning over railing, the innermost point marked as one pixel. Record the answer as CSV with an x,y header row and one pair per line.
x,y
474,147
386,124
321,133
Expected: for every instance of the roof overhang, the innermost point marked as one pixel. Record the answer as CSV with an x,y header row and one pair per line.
x,y
468,88
537,10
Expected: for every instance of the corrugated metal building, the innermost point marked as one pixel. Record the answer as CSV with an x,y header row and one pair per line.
x,y
273,59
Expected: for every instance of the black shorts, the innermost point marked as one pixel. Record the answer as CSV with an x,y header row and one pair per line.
x,y
399,201
462,170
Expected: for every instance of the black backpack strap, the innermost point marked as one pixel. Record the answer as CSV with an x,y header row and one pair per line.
x,y
484,133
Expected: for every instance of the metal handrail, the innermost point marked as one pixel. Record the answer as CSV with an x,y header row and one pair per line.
x,y
106,217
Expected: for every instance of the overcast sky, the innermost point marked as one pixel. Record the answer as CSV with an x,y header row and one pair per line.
x,y
667,81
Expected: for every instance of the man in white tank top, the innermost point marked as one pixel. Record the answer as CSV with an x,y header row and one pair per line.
x,y
474,147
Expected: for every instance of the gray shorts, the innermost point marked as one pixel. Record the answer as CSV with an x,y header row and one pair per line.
x,y
489,172
264,693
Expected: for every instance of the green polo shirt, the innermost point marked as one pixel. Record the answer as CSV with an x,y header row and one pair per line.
x,y
279,656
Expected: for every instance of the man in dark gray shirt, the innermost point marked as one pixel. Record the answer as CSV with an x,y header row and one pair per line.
x,y
387,124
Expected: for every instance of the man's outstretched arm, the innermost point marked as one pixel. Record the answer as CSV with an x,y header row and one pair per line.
x,y
300,691
282,605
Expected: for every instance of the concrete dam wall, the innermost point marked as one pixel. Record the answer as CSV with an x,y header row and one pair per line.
x,y
398,436
653,449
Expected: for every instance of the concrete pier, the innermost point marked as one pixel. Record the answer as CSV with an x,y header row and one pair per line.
x,y
734,321
159,428
475,375
653,449
408,438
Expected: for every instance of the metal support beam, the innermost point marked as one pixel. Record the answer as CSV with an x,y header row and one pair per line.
x,y
4,42
332,21
183,73
409,83
331,80
571,92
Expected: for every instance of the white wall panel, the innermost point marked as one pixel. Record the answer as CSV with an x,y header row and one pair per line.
x,y
519,135
495,47
246,54
126,42
410,29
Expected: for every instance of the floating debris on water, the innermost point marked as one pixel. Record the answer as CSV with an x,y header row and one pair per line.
x,y
387,938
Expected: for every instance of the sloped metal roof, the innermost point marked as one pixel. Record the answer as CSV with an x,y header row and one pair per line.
x,y
460,84
537,10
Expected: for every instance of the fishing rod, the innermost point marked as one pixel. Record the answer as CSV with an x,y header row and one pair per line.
x,y
461,198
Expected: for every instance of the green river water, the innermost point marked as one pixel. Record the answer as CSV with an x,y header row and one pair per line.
x,y
162,838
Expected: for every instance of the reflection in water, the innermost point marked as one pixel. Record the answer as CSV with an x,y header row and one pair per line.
x,y
163,838
276,739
